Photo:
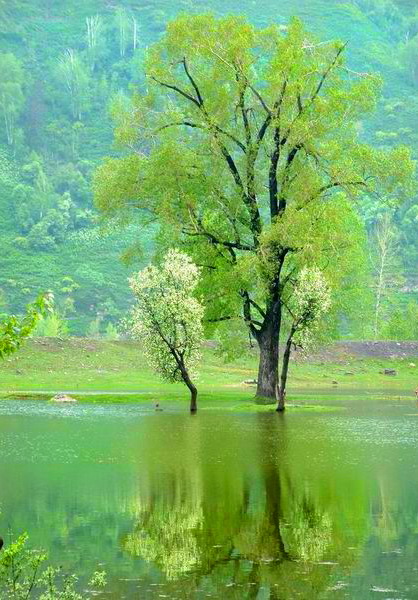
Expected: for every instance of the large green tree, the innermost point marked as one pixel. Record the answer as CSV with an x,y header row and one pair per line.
x,y
245,148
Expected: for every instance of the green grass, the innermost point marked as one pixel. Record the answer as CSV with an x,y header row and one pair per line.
x,y
112,372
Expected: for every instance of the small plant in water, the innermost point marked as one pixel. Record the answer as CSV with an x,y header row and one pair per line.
x,y
24,573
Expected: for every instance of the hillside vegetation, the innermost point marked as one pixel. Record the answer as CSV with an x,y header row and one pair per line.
x,y
64,65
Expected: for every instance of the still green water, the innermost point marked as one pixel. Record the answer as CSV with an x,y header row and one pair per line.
x,y
218,505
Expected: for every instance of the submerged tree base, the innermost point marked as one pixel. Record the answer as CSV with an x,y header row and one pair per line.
x,y
264,400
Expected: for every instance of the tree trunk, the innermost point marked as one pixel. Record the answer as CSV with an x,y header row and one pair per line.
x,y
268,342
281,399
281,392
190,385
193,398
179,358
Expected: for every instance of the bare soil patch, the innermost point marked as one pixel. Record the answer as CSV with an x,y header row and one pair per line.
x,y
344,350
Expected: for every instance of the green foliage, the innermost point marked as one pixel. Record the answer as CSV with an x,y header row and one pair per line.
x,y
14,330
403,322
44,208
385,14
252,200
93,330
24,574
51,325
11,94
111,332
167,317
82,56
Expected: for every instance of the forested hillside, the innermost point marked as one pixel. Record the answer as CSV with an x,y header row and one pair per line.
x,y
65,63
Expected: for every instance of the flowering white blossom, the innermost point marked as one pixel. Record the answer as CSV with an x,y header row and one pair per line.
x,y
167,317
311,300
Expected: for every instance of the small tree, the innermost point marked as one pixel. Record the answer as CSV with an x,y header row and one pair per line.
x,y
14,330
168,319
310,301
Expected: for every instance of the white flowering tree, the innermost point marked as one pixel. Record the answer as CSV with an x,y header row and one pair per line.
x,y
310,301
167,319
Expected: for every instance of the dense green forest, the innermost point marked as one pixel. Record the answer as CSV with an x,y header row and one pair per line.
x,y
64,66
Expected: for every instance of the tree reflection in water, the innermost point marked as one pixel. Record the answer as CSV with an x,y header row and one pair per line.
x,y
234,528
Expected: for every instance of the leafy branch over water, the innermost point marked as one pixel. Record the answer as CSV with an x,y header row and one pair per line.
x,y
25,572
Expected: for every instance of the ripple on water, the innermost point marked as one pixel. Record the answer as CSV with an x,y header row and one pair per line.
x,y
73,411
38,431
377,431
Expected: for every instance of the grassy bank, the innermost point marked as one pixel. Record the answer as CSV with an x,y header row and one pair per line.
x,y
103,371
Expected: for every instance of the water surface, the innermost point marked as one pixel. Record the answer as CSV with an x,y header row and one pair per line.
x,y
220,504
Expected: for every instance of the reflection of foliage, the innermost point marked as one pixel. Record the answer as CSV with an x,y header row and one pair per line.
x,y
308,532
24,574
168,536
207,509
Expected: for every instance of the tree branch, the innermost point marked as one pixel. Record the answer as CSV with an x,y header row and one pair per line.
x,y
260,98
290,158
178,90
269,118
249,199
330,186
327,72
302,109
257,307
214,240
247,313
219,319
192,81
204,127
241,104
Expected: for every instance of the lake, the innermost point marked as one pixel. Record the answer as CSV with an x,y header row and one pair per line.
x,y
220,504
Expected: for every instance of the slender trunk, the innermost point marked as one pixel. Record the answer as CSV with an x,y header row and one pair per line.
x,y
268,342
193,398
281,391
191,386
281,399
379,290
